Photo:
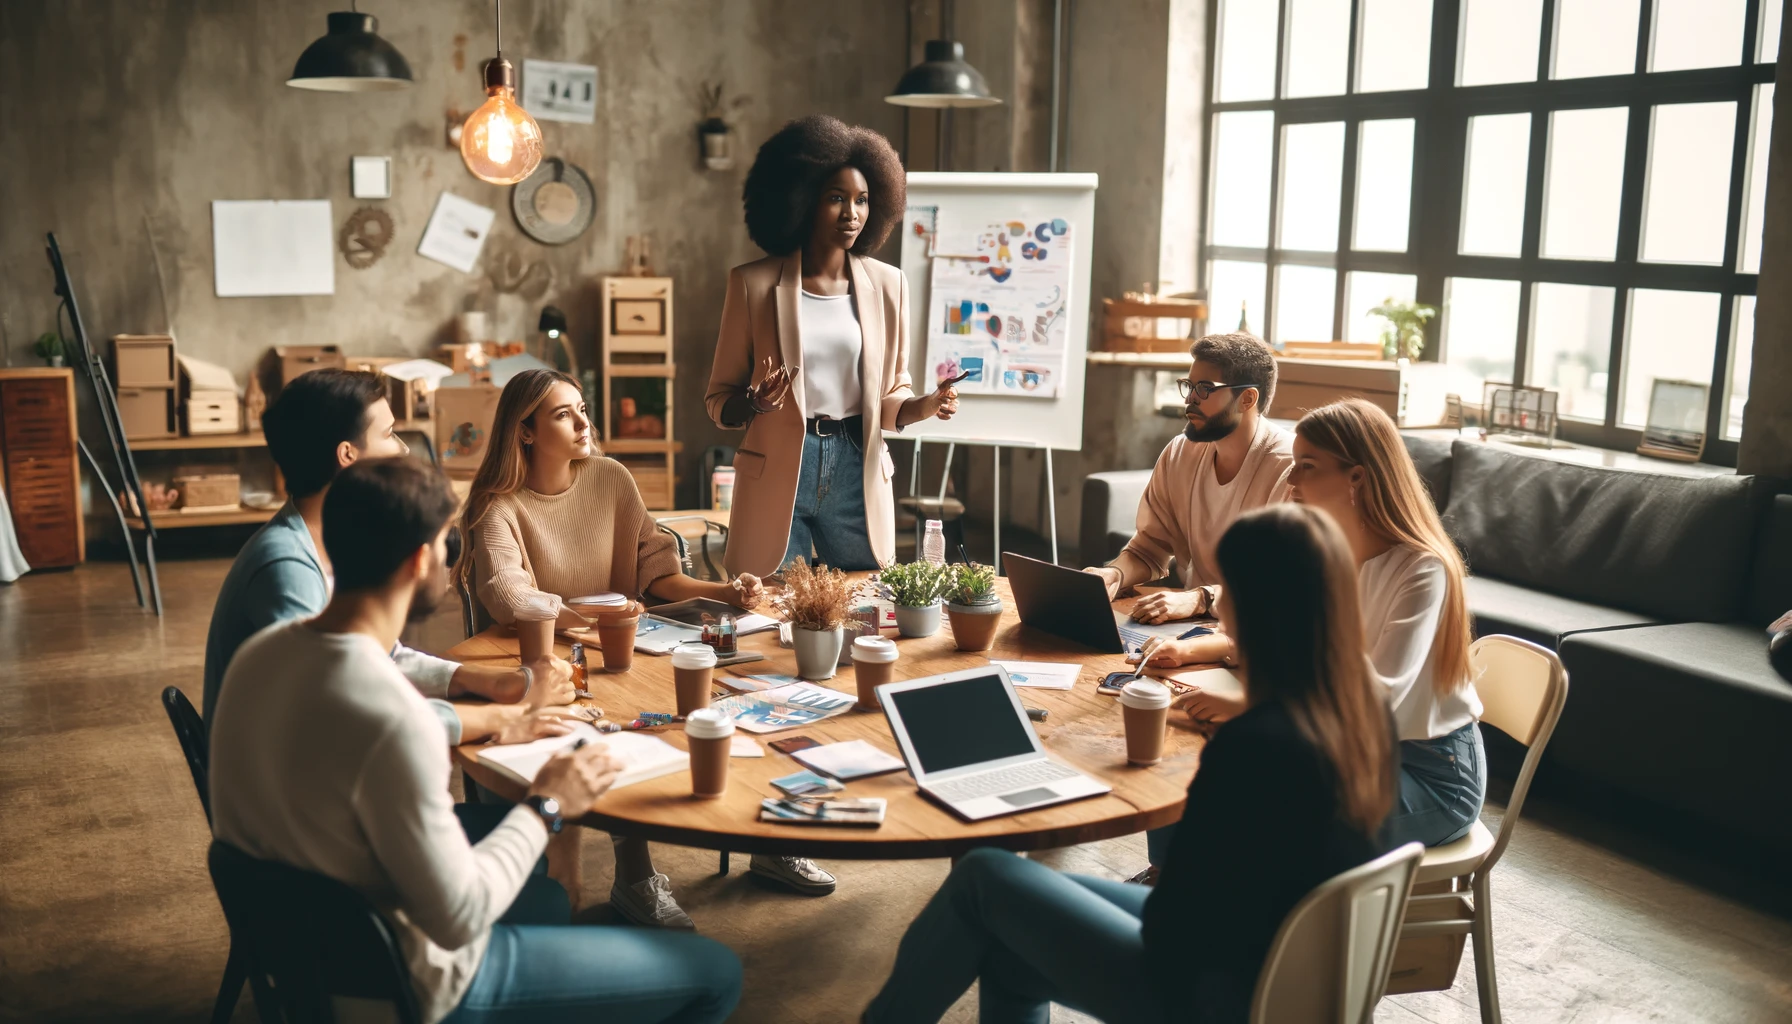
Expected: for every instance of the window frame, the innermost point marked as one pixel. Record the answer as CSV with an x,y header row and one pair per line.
x,y
1441,115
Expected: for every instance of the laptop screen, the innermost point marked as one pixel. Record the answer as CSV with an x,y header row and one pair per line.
x,y
967,721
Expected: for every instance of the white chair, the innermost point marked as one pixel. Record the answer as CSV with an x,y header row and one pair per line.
x,y
1522,688
1330,959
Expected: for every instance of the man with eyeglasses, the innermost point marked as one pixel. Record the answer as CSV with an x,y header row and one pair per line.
x,y
1228,460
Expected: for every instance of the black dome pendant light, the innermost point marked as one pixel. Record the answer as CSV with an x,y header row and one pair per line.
x,y
943,79
351,57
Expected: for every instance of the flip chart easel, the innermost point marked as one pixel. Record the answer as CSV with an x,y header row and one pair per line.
x,y
1001,420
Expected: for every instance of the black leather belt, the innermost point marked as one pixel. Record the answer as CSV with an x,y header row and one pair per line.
x,y
822,426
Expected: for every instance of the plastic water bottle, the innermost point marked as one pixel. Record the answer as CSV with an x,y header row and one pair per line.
x,y
933,545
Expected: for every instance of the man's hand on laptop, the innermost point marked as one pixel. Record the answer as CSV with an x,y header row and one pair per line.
x,y
576,778
1169,605
1110,576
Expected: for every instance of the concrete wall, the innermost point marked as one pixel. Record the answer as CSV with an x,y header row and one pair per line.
x,y
125,120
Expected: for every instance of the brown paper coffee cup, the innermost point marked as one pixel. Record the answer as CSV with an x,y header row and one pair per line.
x,y
709,734
873,665
1145,709
693,673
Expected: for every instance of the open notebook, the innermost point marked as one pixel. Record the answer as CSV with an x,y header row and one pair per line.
x,y
643,756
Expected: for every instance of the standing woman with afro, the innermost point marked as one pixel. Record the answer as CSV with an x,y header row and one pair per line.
x,y
812,358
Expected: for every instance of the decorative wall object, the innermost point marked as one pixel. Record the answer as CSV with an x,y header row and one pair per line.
x,y
511,274
713,132
561,92
365,236
370,177
556,204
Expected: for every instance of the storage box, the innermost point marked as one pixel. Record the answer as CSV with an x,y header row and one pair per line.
x,y
214,412
143,360
463,423
293,360
147,413
207,487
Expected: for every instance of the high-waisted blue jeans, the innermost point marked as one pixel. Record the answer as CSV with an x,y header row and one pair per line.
x,y
540,967
1442,784
1029,936
829,517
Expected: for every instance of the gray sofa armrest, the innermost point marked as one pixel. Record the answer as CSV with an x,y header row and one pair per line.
x,y
1110,513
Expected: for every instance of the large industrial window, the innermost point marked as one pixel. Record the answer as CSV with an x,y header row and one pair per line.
x,y
1576,185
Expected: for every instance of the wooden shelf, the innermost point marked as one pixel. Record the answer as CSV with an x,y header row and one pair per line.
x,y
198,442
1152,360
175,520
641,445
641,369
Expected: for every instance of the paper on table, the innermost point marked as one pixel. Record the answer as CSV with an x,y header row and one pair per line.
x,y
417,369
273,247
1046,675
785,707
745,746
456,232
643,756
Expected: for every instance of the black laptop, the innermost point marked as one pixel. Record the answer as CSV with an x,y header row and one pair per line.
x,y
1074,604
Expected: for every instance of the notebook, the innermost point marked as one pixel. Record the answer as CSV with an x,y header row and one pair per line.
x,y
643,756
853,759
865,813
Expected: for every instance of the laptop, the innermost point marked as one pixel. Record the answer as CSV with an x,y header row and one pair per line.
x,y
1073,604
969,745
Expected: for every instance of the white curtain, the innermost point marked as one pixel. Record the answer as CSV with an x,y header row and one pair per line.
x,y
12,560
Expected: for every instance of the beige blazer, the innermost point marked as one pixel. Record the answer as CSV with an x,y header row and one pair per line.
x,y
759,319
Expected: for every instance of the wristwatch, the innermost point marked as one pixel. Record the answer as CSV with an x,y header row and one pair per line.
x,y
528,680
549,809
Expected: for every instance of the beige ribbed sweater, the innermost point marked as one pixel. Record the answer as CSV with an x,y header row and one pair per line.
x,y
532,551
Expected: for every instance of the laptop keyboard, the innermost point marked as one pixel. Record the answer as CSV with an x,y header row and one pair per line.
x,y
1001,780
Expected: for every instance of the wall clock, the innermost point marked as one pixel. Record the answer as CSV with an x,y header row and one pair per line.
x,y
555,204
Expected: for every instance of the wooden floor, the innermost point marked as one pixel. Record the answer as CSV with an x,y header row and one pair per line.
x,y
106,912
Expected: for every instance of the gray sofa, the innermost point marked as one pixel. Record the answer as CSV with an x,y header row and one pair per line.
x,y
1655,589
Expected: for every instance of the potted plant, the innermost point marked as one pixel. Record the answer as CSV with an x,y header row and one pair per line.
x,y
49,348
915,589
1404,336
973,606
713,130
815,601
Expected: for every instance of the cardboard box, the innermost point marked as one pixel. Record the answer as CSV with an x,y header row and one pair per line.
x,y
143,361
214,412
207,487
286,362
147,413
463,424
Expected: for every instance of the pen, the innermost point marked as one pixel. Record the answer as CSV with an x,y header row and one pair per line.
x,y
1195,632
1037,714
961,378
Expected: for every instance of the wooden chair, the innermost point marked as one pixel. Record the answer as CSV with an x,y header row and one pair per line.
x,y
189,729
1522,688
315,938
1329,961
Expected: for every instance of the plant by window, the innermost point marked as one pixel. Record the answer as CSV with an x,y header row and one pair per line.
x,y
1404,335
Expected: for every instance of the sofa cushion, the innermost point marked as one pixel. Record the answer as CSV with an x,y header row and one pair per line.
x,y
1689,715
1670,547
1110,513
1770,592
1501,607
1431,455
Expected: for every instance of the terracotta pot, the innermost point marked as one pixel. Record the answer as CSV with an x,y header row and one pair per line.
x,y
918,622
974,625
817,652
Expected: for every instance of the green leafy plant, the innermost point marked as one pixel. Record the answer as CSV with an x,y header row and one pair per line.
x,y
973,584
1404,335
48,346
915,584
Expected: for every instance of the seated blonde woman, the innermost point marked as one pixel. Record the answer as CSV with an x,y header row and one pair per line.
x,y
550,519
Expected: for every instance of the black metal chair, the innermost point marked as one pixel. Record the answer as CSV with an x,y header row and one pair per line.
x,y
316,938
189,729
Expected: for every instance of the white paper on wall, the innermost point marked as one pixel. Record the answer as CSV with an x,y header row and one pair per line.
x,y
272,247
553,91
456,232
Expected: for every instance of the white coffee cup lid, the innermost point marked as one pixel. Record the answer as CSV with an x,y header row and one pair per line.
x,y
693,656
1145,694
605,600
708,724
873,648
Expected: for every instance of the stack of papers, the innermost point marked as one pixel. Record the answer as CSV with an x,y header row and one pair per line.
x,y
785,707
643,756
854,759
868,812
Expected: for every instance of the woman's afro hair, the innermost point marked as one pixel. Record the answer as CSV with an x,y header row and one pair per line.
x,y
787,176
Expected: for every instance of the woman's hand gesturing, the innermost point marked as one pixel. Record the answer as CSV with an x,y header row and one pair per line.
x,y
769,393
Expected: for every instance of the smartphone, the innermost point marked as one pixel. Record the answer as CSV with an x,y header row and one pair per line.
x,y
1115,681
960,379
792,744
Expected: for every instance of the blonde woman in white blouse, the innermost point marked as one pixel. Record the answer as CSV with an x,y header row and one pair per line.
x,y
1349,460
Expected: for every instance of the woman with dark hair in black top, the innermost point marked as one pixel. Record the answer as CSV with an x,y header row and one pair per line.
x,y
1290,793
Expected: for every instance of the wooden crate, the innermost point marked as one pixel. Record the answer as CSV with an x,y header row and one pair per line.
x,y
207,487
214,412
463,425
1129,325
1411,393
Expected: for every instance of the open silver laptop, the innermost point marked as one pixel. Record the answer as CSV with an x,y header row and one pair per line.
x,y
968,743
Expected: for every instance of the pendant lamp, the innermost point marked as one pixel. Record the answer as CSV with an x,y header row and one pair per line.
x,y
351,57
943,79
500,142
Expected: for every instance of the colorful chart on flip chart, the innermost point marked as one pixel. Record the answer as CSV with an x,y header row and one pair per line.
x,y
996,309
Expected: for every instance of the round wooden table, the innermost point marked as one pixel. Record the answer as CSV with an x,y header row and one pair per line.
x,y
1083,730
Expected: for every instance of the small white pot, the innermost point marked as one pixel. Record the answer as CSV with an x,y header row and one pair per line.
x,y
817,652
918,622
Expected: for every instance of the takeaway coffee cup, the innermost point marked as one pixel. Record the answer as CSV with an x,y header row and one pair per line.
x,y
709,733
616,632
1145,705
873,663
693,668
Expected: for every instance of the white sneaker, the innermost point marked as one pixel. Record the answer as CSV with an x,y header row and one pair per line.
x,y
649,903
798,874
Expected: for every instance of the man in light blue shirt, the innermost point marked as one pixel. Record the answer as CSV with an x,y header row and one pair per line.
x,y
323,421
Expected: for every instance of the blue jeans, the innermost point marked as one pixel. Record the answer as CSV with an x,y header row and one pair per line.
x,y
829,516
1030,937
539,966
1442,783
